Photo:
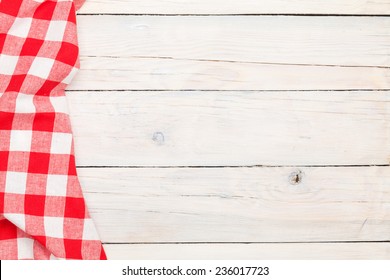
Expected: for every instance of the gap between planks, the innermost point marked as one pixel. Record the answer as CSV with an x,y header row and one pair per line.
x,y
223,90
245,7
232,166
247,243
238,61
229,15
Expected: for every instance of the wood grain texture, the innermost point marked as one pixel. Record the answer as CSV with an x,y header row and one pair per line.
x,y
239,204
218,118
306,251
230,128
339,41
172,74
240,53
233,7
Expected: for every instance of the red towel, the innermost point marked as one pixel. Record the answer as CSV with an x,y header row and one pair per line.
x,y
42,210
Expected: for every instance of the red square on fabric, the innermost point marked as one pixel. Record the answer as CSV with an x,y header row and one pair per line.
x,y
47,87
8,230
73,248
4,161
72,15
44,121
39,163
1,203
2,41
34,205
68,53
72,166
45,10
41,239
74,208
16,83
31,47
6,120
11,7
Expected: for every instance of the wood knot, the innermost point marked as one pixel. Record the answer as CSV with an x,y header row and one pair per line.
x,y
295,177
158,137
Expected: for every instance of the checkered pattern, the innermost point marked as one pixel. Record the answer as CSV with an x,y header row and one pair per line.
x,y
42,210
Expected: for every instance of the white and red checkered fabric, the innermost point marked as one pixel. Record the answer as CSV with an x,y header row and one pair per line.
x,y
42,209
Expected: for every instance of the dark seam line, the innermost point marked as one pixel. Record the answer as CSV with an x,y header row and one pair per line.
x,y
237,166
217,90
247,242
242,14
238,61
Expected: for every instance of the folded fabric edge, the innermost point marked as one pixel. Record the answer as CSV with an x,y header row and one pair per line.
x,y
78,4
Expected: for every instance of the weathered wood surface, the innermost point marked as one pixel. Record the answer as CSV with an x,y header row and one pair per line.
x,y
234,53
230,128
239,204
363,7
193,89
306,251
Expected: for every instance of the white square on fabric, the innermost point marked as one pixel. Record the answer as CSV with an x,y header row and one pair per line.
x,y
20,27
89,232
41,67
56,30
20,140
8,64
56,185
54,227
25,103
60,104
61,143
15,182
25,248
18,220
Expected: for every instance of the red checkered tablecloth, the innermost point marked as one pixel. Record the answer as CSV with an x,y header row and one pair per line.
x,y
42,210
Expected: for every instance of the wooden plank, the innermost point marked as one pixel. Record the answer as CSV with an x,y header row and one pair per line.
x,y
240,53
230,128
347,41
307,251
165,74
231,7
239,204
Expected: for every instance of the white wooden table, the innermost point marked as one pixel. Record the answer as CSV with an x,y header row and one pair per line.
x,y
235,129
